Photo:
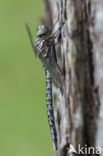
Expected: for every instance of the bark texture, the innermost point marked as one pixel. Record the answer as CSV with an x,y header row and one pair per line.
x,y
79,99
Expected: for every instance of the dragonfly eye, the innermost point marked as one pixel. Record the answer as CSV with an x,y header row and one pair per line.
x,y
42,30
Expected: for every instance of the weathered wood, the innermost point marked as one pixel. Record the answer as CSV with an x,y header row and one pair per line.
x,y
79,100
96,30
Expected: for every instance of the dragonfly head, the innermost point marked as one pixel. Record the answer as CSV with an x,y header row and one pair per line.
x,y
43,30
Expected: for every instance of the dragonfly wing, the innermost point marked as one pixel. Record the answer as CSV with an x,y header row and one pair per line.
x,y
30,37
52,54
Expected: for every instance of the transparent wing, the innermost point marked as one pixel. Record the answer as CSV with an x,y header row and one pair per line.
x,y
30,37
53,57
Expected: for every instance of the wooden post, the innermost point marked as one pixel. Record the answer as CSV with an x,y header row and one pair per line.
x,y
79,100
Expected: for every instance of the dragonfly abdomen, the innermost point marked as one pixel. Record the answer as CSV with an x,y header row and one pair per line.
x,y
50,106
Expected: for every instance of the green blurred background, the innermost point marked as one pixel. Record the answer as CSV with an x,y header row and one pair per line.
x,y
24,129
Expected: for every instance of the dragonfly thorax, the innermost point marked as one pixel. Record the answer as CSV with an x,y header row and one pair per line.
x,y
43,30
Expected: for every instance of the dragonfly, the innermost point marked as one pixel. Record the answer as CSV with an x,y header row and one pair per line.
x,y
44,49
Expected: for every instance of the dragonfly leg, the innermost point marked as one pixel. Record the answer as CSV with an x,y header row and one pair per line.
x,y
58,31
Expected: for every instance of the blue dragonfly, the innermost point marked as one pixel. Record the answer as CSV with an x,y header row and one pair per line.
x,y
44,49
